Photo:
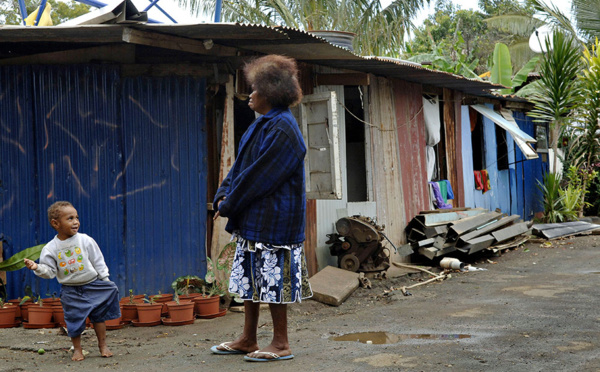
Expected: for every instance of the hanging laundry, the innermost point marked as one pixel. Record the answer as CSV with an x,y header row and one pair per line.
x,y
478,183
485,179
449,192
439,201
443,190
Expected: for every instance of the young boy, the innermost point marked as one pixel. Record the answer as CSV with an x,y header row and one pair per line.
x,y
78,264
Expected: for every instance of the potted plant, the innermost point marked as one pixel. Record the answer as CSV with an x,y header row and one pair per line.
x,y
187,287
180,311
7,314
163,298
40,315
149,312
129,309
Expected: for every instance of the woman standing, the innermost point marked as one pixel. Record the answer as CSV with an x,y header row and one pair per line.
x,y
264,198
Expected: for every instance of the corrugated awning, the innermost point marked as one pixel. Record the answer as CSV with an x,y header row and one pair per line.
x,y
506,121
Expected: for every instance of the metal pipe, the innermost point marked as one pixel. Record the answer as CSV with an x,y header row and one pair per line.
x,y
162,11
40,11
23,9
218,10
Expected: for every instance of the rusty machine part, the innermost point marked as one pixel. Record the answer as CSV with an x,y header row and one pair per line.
x,y
358,245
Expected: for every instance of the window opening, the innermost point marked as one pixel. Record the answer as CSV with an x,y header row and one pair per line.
x,y
477,140
356,170
501,148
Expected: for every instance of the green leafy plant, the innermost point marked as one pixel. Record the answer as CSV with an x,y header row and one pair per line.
x,y
501,72
15,262
550,188
151,299
184,285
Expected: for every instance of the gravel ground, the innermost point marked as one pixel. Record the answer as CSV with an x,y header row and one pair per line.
x,y
533,308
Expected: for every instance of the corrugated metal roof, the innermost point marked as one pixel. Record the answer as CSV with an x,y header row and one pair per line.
x,y
18,41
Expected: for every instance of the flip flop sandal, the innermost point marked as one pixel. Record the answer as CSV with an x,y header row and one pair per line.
x,y
228,349
274,357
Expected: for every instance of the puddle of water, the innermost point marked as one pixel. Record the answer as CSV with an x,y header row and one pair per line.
x,y
392,338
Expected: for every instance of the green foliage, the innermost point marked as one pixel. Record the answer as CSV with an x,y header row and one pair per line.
x,y
151,300
379,30
501,72
15,262
62,11
187,284
553,211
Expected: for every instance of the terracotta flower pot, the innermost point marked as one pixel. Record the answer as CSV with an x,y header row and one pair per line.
x,y
7,314
58,315
40,315
163,299
206,305
128,312
189,296
24,308
148,313
137,299
182,311
16,302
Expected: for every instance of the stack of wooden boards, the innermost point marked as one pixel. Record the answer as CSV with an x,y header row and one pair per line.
x,y
437,233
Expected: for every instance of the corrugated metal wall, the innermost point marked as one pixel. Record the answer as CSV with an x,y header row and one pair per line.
x,y
408,100
129,153
514,190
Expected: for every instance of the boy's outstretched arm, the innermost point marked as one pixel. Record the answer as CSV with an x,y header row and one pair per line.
x,y
31,265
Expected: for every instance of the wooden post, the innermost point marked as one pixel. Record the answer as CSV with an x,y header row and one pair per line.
x,y
450,126
220,237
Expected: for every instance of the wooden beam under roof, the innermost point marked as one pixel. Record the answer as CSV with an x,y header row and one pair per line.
x,y
157,40
107,53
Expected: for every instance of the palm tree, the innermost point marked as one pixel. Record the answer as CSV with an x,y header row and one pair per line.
x,y
379,31
559,94
586,14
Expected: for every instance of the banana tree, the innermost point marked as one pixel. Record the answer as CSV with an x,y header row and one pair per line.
x,y
501,72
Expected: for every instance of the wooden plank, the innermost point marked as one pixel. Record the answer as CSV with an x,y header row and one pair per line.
x,y
106,53
220,237
183,69
444,210
458,187
491,227
450,134
385,157
510,232
310,244
181,44
343,79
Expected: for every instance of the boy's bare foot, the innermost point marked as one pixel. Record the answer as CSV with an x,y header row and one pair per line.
x,y
77,355
105,352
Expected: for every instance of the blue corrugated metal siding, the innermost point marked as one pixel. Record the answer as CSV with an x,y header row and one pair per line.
x,y
19,213
513,191
528,172
139,187
166,183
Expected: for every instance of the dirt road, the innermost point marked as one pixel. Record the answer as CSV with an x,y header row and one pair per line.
x,y
533,309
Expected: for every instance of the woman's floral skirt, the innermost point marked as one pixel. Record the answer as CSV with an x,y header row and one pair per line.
x,y
269,273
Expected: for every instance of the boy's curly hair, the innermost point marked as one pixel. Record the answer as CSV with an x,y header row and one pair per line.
x,y
275,78
54,209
